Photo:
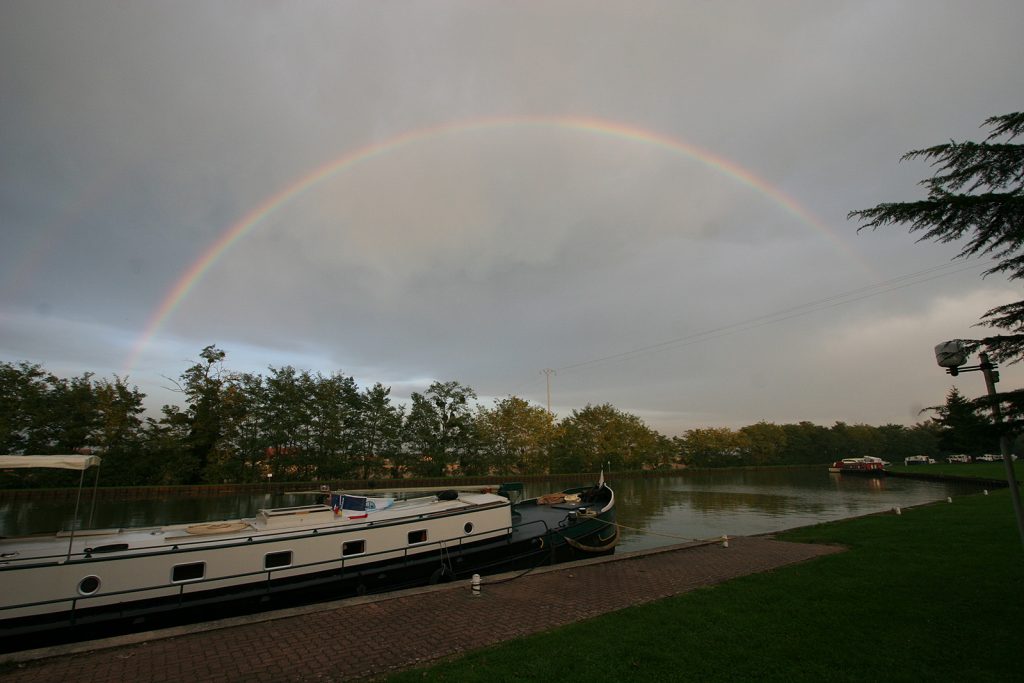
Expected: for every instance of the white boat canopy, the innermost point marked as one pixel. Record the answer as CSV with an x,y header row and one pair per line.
x,y
61,462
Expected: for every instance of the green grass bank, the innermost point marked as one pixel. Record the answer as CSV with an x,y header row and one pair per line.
x,y
973,470
934,594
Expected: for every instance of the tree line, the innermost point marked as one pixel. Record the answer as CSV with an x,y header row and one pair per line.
x,y
291,425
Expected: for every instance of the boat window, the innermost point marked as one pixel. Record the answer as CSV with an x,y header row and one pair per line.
x,y
89,585
353,548
468,527
418,536
276,560
193,571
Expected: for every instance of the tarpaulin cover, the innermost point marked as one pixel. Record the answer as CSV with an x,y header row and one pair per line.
x,y
62,462
357,503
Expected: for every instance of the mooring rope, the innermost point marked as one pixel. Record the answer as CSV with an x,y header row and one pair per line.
x,y
543,559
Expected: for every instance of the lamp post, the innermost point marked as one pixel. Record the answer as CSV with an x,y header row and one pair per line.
x,y
952,355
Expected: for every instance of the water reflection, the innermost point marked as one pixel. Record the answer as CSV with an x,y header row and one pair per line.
x,y
654,512
710,504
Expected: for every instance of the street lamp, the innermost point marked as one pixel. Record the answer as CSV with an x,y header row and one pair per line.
x,y
952,355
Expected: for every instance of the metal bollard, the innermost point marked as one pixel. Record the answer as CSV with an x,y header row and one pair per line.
x,y
476,585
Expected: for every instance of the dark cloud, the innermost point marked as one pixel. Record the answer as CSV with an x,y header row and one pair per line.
x,y
133,136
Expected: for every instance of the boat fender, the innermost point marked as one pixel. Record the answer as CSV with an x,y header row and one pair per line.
x,y
448,495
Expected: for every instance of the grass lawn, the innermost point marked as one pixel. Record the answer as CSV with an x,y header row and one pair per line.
x,y
936,594
982,470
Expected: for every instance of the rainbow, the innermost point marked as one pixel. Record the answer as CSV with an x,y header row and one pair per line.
x,y
609,129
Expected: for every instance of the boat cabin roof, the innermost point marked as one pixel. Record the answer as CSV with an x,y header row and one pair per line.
x,y
62,462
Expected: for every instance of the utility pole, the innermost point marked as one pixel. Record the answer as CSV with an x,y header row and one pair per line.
x,y
988,370
952,355
548,372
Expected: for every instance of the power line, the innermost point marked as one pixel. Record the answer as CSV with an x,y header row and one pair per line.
x,y
841,299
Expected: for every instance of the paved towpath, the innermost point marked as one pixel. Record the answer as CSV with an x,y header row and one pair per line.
x,y
366,638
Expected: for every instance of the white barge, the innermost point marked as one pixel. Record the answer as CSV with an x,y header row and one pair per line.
x,y
352,545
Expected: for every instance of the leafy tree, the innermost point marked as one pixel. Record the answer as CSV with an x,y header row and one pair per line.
x,y
287,422
764,443
334,411
243,446
515,436
599,437
44,414
439,428
23,406
862,439
712,447
71,416
378,430
238,427
117,433
975,197
169,460
849,441
202,384
901,442
806,443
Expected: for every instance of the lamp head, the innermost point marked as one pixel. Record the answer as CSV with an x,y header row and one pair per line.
x,y
950,354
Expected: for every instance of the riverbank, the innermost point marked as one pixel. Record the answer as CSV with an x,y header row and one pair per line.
x,y
989,474
931,594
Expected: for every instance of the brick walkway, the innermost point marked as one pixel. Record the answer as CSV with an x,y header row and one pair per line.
x,y
410,628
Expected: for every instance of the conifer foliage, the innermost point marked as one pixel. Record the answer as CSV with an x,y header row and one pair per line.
x,y
976,196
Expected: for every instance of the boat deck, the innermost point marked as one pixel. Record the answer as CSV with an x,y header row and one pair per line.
x,y
283,521
530,520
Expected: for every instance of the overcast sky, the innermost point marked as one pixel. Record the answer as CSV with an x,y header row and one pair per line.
x,y
685,255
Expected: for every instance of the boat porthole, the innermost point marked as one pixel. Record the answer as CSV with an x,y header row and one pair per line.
x,y
89,585
468,527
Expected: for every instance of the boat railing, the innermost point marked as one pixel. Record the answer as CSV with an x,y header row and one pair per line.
x,y
354,562
525,525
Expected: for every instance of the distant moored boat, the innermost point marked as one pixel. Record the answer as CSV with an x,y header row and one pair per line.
x,y
874,467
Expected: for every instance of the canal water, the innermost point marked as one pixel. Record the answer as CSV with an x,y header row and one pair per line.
x,y
653,511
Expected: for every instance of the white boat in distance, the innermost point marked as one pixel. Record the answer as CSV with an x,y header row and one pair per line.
x,y
352,545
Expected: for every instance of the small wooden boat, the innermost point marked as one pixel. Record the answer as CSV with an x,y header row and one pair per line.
x,y
351,544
